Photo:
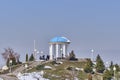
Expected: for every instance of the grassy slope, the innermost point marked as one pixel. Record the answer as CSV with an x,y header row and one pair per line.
x,y
60,71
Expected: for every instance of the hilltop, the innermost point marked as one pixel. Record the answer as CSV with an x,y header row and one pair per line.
x,y
61,69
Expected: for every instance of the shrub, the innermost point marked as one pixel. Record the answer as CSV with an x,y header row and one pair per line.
x,y
72,56
69,68
53,62
40,67
31,58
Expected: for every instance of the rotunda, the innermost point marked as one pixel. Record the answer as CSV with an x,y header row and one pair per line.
x,y
58,47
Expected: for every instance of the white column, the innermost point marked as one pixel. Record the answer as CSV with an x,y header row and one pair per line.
x,y
61,50
51,51
64,50
67,49
57,51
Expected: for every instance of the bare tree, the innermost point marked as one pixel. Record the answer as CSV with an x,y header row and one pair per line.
x,y
9,54
17,56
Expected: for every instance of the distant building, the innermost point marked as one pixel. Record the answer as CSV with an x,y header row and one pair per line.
x,y
58,47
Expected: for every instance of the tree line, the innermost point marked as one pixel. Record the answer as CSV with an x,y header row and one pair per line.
x,y
99,67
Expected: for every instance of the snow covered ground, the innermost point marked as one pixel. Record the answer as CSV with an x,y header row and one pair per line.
x,y
31,76
1,79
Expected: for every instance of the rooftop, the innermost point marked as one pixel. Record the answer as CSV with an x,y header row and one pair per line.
x,y
60,39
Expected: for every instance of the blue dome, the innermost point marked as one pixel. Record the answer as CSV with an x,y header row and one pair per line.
x,y
59,39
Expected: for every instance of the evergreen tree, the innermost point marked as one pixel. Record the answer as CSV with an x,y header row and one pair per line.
x,y
117,67
26,57
72,56
111,65
88,66
100,67
31,58
107,75
111,68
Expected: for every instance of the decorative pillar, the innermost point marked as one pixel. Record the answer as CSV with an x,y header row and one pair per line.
x,y
57,51
64,50
61,51
51,51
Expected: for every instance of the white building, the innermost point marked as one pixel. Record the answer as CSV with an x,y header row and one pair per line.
x,y
58,47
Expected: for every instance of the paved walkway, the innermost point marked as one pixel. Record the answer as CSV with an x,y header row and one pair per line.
x,y
5,77
20,69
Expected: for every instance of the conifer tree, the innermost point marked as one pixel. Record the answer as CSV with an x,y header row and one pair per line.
x,y
111,68
26,57
100,67
88,66
107,75
31,58
117,67
72,56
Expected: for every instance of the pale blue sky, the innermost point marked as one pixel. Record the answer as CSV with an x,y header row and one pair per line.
x,y
89,24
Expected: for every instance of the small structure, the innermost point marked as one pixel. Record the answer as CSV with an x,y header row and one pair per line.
x,y
58,47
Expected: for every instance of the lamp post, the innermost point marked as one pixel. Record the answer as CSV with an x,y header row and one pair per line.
x,y
42,73
35,50
114,69
10,63
107,64
35,53
41,53
92,51
26,66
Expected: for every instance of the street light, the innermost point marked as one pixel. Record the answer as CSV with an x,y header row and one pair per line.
x,y
35,51
41,53
107,64
26,66
92,51
42,73
114,69
10,63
